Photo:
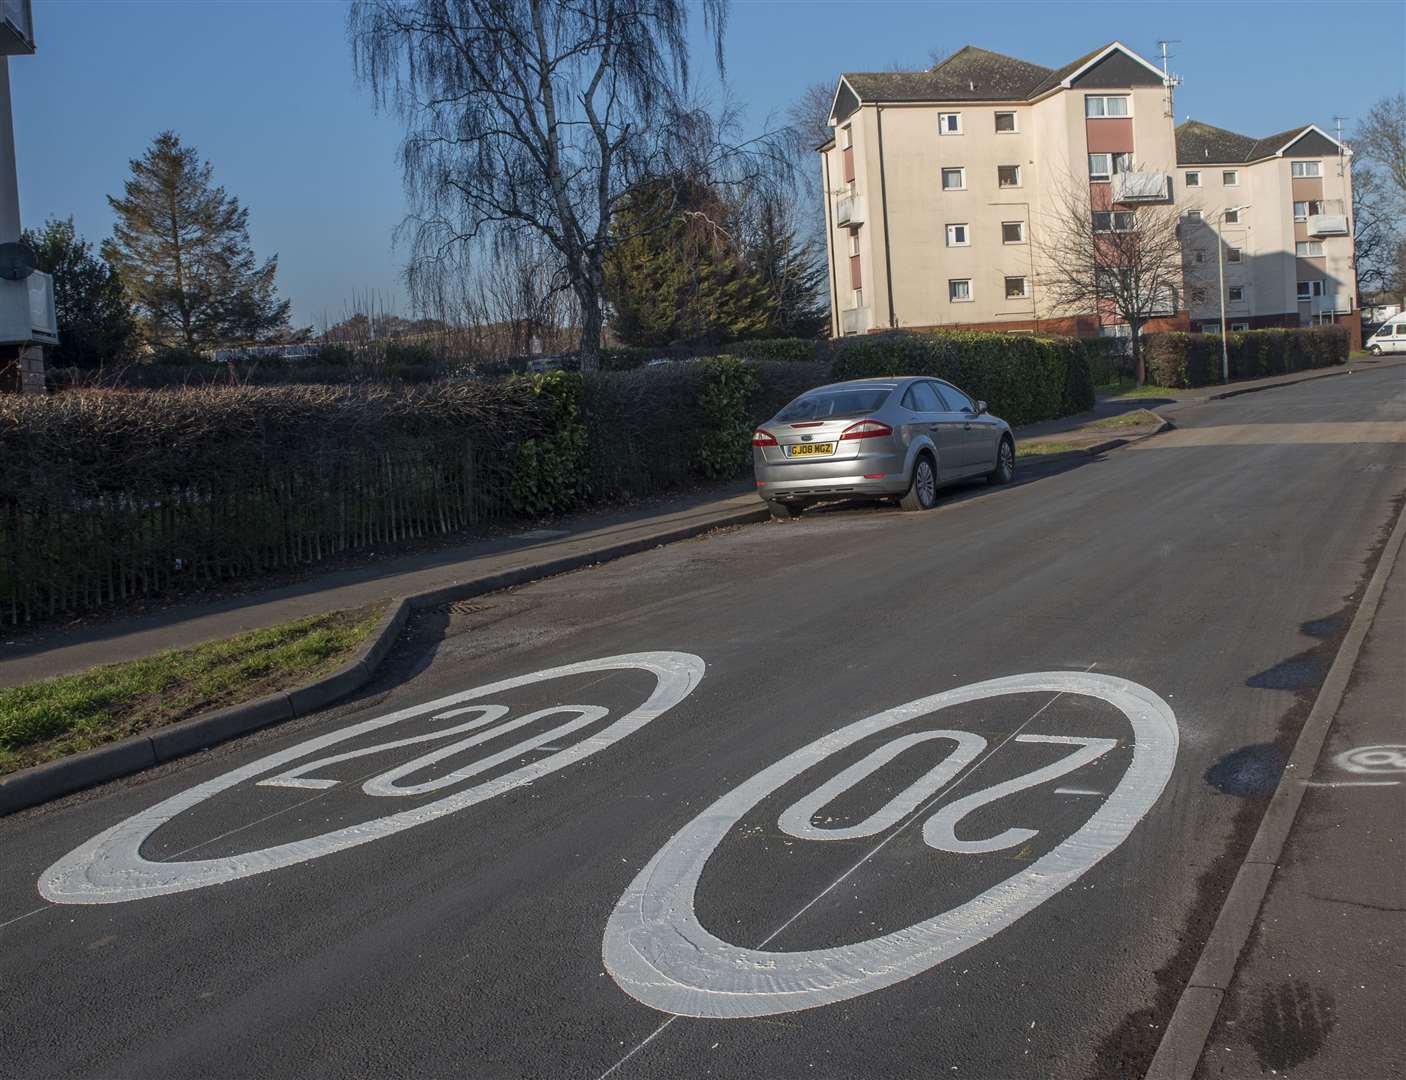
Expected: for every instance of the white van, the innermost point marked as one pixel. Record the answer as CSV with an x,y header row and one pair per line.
x,y
1389,338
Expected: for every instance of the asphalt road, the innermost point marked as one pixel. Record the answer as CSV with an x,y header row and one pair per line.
x,y
1020,895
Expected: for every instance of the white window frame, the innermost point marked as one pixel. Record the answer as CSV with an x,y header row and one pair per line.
x,y
1303,249
1315,288
846,137
1113,216
1102,112
1014,129
961,171
1007,187
1231,216
1024,293
1231,290
1306,170
1193,216
967,233
951,289
859,297
853,242
1239,327
1304,203
1234,255
1020,227
1197,256
1196,182
1101,174
1234,175
942,119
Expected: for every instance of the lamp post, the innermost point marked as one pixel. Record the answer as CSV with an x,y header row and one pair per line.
x,y
1220,275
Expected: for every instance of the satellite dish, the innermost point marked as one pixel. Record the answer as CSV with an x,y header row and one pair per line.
x,y
17,261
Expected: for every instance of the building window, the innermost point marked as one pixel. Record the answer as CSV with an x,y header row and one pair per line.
x,y
1193,179
1308,249
854,241
1107,106
949,123
846,137
1210,328
1015,288
1198,296
1103,166
958,236
1309,289
1231,216
1232,255
1196,255
1008,175
954,179
1230,178
1192,216
1236,294
1304,210
1239,327
959,290
1012,232
1305,168
858,297
1005,121
1114,221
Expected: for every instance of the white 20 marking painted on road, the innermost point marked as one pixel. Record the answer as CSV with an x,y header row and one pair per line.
x,y
660,954
110,869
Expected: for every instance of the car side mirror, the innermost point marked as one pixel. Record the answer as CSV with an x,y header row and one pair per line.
x,y
980,408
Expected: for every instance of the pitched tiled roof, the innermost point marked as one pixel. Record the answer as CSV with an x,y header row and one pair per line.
x,y
1199,143
969,74
1057,77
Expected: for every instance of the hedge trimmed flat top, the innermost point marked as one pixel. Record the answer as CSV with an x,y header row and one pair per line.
x,y
878,438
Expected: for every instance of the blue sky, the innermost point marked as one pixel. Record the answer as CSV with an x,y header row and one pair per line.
x,y
265,91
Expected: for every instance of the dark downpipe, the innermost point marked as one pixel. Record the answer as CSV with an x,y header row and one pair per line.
x,y
884,214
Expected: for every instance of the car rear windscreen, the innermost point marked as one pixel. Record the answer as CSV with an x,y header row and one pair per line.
x,y
829,404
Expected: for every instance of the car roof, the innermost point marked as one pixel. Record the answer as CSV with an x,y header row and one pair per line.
x,y
874,383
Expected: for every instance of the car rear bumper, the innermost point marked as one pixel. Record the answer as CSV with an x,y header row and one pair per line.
x,y
870,472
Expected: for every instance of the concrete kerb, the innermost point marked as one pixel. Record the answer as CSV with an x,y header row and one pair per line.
x,y
42,783
1098,448
1184,1041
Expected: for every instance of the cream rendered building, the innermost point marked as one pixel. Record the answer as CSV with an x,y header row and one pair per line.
x,y
937,183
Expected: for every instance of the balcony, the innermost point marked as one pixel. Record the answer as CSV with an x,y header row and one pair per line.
x,y
27,311
854,320
1141,187
850,210
1327,225
1332,303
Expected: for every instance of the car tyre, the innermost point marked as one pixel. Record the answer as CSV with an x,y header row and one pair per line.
x,y
1375,350
922,490
1004,472
784,511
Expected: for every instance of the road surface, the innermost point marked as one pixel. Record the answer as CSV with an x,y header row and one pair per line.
x,y
869,794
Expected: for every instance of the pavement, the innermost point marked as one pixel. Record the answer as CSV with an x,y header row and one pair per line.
x,y
1319,994
866,794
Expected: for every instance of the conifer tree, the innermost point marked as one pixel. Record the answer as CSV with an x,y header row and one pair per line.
x,y
181,247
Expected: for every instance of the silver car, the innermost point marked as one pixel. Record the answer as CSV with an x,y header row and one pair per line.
x,y
902,437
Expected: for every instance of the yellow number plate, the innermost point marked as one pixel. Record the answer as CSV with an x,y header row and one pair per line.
x,y
812,449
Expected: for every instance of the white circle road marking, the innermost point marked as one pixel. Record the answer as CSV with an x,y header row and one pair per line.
x,y
1385,758
110,869
658,952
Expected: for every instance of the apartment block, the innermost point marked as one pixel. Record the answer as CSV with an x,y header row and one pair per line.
x,y
938,185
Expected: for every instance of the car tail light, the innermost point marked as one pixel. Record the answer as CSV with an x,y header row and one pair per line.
x,y
763,438
810,423
865,429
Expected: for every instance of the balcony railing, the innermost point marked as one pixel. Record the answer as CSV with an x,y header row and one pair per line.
x,y
854,320
850,210
1141,187
1338,303
1327,225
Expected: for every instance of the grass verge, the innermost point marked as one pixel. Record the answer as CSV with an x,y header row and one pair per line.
x,y
1038,449
1136,418
55,717
1132,390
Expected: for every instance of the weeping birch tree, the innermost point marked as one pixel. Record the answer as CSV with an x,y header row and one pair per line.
x,y
534,119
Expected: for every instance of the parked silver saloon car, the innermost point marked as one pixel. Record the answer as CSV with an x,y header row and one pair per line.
x,y
902,437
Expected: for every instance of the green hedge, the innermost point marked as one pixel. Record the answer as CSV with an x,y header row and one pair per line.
x,y
1185,360
1023,379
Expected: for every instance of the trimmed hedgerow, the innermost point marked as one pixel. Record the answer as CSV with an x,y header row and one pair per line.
x,y
1185,360
1023,379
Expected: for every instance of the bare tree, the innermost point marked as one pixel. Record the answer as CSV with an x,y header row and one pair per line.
x,y
1376,232
1122,264
532,117
1381,138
